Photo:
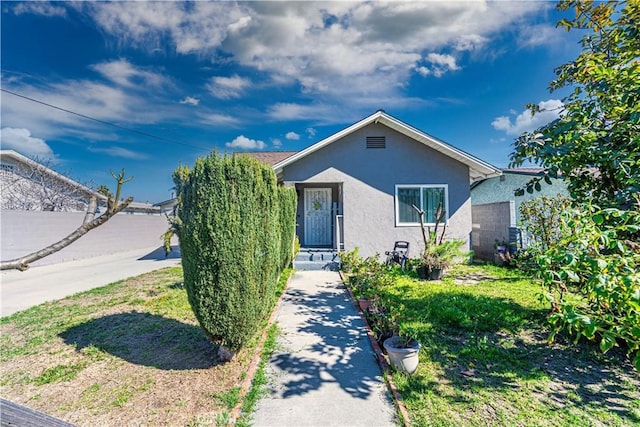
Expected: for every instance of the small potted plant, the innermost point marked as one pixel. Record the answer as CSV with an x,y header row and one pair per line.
x,y
438,254
403,349
502,255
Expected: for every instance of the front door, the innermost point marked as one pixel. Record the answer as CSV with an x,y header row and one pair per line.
x,y
317,216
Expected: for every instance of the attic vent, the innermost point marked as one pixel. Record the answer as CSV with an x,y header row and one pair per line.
x,y
376,142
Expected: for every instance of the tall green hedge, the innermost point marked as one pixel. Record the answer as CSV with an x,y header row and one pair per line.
x,y
288,208
233,221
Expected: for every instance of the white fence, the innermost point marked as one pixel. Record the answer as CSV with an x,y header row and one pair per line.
x,y
23,232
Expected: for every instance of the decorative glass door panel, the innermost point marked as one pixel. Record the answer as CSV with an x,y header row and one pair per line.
x,y
317,216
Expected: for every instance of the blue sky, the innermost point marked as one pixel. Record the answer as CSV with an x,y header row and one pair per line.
x,y
229,76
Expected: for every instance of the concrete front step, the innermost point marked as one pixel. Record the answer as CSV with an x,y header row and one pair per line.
x,y
317,259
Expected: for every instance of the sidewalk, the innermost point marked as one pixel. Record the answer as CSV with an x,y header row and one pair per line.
x,y
23,289
323,372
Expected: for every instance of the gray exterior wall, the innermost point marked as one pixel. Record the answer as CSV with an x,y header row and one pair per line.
x,y
494,190
368,178
491,222
26,231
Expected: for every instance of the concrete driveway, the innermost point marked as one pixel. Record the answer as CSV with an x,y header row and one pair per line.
x,y
20,290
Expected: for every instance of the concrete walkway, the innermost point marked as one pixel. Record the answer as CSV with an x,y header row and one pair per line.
x,y
23,289
323,372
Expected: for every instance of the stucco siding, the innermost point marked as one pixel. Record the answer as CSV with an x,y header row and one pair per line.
x,y
495,190
368,178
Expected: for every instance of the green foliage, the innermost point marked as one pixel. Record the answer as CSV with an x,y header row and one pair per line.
x,y
288,203
444,254
231,233
59,373
595,143
103,189
351,261
595,254
540,218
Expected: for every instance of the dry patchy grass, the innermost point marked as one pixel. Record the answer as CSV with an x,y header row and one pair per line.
x,y
130,353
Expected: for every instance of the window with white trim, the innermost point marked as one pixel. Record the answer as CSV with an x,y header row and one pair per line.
x,y
426,197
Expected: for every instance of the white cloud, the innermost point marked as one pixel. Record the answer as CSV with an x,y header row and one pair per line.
x,y
124,99
244,143
39,8
423,71
318,112
292,135
228,87
190,101
218,119
540,35
276,143
311,132
118,152
379,44
525,122
123,73
20,140
440,64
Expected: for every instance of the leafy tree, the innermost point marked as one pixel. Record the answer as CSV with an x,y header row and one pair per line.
x,y
595,142
540,218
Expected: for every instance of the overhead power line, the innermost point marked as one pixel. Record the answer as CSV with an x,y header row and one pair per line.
x,y
149,135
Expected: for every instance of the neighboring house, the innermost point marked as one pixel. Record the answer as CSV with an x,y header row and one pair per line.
x,y
28,185
168,207
496,210
356,188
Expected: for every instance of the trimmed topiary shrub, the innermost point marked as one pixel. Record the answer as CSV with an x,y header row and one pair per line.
x,y
231,226
288,207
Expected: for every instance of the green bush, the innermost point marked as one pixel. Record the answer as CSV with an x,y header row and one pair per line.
x,y
231,230
288,206
598,253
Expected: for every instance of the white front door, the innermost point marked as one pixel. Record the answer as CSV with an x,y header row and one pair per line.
x,y
317,216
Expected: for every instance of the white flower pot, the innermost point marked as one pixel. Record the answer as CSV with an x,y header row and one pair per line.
x,y
404,359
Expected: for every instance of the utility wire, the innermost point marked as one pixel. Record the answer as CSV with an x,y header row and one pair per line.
x,y
149,135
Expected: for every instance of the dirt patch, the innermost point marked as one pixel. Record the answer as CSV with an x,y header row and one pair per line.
x,y
132,355
473,279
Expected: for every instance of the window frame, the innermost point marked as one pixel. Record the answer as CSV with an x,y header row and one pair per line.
x,y
420,187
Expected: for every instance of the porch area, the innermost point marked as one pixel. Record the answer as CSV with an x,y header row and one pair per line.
x,y
317,259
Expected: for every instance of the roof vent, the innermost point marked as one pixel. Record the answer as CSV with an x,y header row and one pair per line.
x,y
376,142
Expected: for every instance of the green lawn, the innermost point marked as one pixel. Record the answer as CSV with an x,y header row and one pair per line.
x,y
485,359
129,351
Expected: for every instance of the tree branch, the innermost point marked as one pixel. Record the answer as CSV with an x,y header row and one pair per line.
x,y
22,263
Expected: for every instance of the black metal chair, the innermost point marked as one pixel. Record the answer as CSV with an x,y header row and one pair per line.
x,y
399,255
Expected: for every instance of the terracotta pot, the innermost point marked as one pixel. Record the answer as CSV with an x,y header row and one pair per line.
x,y
364,304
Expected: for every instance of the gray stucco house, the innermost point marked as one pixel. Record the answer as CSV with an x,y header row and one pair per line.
x,y
356,187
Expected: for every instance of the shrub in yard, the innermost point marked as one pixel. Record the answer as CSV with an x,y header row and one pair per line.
x,y
540,218
230,229
598,251
288,201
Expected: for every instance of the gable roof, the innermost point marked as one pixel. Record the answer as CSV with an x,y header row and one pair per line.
x,y
19,158
270,157
524,171
478,169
